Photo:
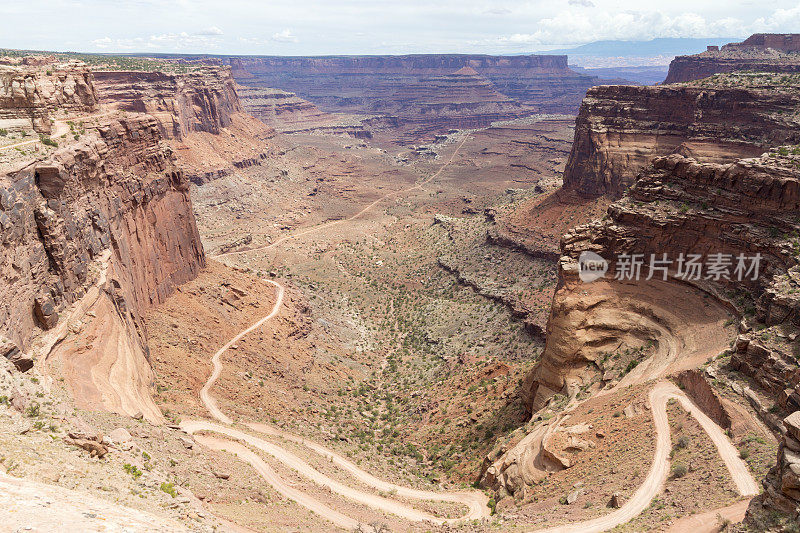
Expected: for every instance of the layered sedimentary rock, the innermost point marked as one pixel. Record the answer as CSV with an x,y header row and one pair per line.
x,y
118,190
415,87
760,52
201,100
31,92
288,113
92,236
677,206
198,112
620,129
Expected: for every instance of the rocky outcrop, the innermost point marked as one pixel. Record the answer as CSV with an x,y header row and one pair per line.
x,y
30,95
451,90
677,206
201,100
288,113
762,52
117,190
93,235
620,129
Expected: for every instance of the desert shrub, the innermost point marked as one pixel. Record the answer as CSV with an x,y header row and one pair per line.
x,y
679,470
169,488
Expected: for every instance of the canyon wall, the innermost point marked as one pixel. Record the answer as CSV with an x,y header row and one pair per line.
x,y
680,206
94,234
445,91
677,206
30,95
620,129
759,53
201,100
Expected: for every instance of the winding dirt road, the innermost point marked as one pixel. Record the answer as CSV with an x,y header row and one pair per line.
x,y
659,396
475,501
368,208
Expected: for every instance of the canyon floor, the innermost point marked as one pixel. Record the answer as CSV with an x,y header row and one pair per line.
x,y
360,334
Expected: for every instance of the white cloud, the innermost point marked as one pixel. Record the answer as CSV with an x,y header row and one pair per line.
x,y
572,27
583,3
213,30
498,11
284,36
156,43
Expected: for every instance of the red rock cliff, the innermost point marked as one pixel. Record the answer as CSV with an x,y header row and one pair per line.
x,y
385,84
762,52
620,129
202,100
29,96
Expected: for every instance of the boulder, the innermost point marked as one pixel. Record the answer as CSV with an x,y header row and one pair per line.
x,y
120,435
91,443
792,423
11,351
616,501
44,309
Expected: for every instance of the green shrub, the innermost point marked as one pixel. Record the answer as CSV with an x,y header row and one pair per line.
x,y
679,470
47,141
33,410
3,132
169,488
132,470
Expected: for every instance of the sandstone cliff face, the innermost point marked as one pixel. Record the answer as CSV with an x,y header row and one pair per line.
x,y
201,100
620,129
119,191
92,236
677,206
29,96
288,113
760,52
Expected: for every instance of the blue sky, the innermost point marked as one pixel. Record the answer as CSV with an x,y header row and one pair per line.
x,y
305,27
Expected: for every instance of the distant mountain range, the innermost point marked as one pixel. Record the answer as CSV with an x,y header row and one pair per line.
x,y
637,53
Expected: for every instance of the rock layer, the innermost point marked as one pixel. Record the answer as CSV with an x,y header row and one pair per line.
x,y
620,129
677,206
451,90
30,95
201,100
760,52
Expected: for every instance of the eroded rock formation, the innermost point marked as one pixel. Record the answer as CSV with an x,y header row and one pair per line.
x,y
762,52
677,206
92,236
448,91
620,129
30,94
201,100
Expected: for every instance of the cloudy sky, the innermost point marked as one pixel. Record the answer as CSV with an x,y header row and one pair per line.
x,y
305,27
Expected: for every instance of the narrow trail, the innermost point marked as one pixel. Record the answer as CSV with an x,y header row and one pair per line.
x,y
417,186
475,501
653,484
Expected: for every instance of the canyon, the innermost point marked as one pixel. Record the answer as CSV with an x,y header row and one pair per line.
x,y
367,271
423,95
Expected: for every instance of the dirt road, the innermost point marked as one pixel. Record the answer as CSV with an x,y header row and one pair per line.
x,y
659,396
205,396
475,501
357,215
